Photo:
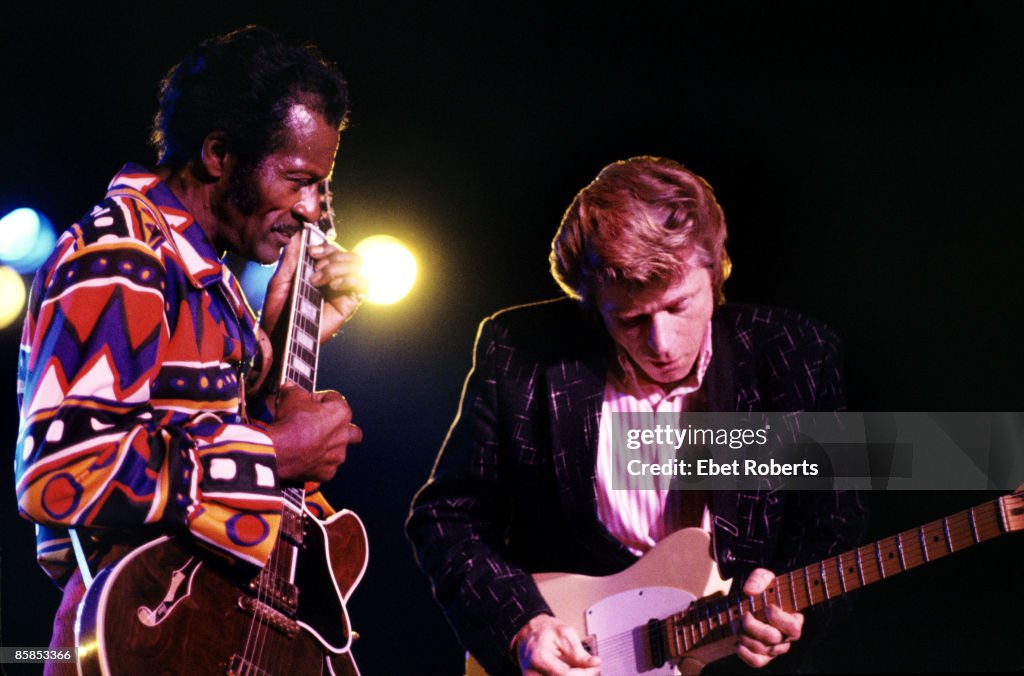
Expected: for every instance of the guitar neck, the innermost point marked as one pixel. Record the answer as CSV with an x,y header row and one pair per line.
x,y
301,352
302,346
711,619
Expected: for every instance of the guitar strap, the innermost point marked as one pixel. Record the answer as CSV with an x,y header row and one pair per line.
x,y
83,562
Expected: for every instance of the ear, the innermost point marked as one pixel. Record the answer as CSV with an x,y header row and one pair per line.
x,y
215,156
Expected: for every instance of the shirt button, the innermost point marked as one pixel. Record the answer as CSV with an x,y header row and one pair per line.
x,y
728,556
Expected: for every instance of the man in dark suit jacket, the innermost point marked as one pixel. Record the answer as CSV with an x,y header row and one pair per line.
x,y
516,489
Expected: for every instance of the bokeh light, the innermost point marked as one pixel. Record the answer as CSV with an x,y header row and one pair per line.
x,y
254,282
12,296
389,267
26,239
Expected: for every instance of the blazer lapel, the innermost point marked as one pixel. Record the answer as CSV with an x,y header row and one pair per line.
x,y
576,391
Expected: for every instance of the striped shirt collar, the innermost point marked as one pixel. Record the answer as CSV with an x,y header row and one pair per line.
x,y
624,378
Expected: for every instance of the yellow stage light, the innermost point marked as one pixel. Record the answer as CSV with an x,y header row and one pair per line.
x,y
389,267
12,296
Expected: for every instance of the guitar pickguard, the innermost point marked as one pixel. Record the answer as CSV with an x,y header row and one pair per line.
x,y
618,625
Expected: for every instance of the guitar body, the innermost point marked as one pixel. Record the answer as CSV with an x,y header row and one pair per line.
x,y
171,608
610,612
670,607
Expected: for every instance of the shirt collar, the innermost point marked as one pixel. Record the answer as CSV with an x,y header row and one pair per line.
x,y
198,255
624,378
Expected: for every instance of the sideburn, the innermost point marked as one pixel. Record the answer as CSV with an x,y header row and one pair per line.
x,y
242,191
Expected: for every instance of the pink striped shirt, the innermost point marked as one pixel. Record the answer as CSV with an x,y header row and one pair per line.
x,y
640,518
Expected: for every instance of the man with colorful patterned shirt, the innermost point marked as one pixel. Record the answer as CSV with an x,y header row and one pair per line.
x,y
139,344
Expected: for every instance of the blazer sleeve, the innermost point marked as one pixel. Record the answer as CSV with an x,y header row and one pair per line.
x,y
459,519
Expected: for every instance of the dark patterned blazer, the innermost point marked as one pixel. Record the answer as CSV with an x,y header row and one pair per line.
x,y
512,492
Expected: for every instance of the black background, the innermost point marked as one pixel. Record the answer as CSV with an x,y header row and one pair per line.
x,y
867,157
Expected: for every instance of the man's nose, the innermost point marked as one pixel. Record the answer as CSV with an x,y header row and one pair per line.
x,y
658,340
307,208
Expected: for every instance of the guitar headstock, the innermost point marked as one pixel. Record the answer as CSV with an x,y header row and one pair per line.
x,y
326,222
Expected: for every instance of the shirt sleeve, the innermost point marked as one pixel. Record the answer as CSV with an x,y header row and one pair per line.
x,y
93,451
458,526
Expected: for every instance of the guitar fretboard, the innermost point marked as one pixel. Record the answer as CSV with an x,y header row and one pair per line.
x,y
712,619
302,348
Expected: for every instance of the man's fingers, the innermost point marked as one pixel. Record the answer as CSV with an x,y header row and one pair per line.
x,y
760,631
758,580
355,433
573,651
789,624
755,660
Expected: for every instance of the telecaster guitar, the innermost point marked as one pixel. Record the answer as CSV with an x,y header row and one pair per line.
x,y
695,622
169,607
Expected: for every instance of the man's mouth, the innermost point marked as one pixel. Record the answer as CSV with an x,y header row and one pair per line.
x,y
285,231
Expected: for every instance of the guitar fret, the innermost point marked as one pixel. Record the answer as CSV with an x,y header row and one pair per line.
x,y
899,550
924,544
974,526
308,310
878,553
677,644
792,591
302,367
824,581
842,577
860,568
807,583
305,340
949,538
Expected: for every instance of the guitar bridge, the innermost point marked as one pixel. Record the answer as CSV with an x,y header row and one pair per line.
x,y
239,666
265,613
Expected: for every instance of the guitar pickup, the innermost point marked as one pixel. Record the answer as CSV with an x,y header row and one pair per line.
x,y
270,588
293,528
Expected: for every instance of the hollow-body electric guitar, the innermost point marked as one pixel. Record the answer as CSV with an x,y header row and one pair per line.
x,y
694,622
169,607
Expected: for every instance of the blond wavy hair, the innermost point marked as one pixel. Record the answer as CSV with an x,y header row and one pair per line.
x,y
638,223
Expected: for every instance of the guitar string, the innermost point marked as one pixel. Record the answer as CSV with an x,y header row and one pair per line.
x,y
271,644
988,525
259,628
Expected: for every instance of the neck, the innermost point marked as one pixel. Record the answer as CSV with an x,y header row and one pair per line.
x,y
197,196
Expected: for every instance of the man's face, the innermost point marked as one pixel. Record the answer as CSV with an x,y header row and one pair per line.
x,y
661,327
262,207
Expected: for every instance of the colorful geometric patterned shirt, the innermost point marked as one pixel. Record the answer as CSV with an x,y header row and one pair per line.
x,y
132,360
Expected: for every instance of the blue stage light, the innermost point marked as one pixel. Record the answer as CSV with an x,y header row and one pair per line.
x,y
254,283
26,239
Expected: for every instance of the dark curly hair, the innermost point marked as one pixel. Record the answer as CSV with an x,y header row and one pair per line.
x,y
242,85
